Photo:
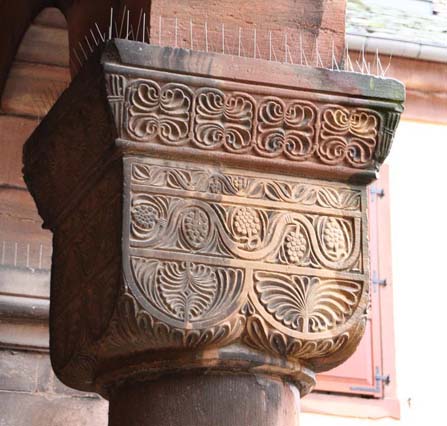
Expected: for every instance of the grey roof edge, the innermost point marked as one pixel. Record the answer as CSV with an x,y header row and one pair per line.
x,y
396,47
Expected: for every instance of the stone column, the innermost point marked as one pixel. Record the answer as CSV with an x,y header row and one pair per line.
x,y
210,230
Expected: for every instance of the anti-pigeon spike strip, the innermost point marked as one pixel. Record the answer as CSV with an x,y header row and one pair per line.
x,y
232,42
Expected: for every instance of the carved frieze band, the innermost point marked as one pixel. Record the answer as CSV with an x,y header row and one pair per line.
x,y
243,232
198,265
208,118
215,182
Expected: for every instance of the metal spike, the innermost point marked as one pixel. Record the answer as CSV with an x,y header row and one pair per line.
x,y
223,38
259,53
348,60
144,25
139,22
290,54
388,66
116,29
270,45
99,32
111,23
306,62
239,44
254,43
122,21
88,44
176,32
274,54
334,58
359,66
73,65
319,63
83,51
365,63
206,36
380,72
94,38
77,57
40,256
127,26
159,30
190,34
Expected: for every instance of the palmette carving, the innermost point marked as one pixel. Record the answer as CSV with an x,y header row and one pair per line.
x,y
134,326
306,304
186,294
259,335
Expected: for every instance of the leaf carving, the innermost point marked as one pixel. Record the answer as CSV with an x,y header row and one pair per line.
x,y
188,293
307,304
187,289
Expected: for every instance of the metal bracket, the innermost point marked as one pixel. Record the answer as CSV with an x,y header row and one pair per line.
x,y
380,381
376,192
379,192
378,282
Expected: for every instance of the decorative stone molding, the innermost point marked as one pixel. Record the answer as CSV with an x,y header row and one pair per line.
x,y
209,214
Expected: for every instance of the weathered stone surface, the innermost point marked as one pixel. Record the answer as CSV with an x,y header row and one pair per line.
x,y
13,133
209,215
51,410
204,400
19,370
32,88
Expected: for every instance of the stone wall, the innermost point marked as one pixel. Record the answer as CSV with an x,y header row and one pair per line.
x,y
30,394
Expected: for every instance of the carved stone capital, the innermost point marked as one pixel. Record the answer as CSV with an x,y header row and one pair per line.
x,y
209,213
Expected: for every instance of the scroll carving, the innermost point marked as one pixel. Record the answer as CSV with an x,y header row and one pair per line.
x,y
156,111
223,120
287,128
349,135
248,123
